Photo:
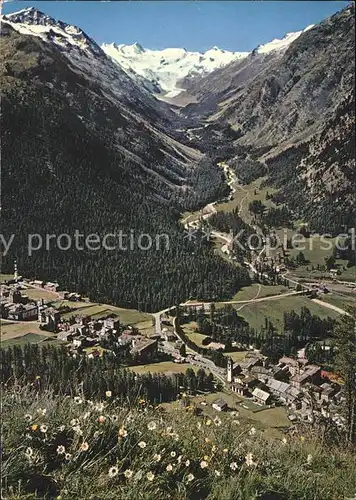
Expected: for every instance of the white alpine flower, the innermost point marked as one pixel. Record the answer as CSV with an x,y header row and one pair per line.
x,y
113,471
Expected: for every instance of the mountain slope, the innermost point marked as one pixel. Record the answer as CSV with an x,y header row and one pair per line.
x,y
99,156
299,99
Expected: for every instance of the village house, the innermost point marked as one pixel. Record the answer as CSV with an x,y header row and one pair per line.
x,y
127,337
168,334
278,388
280,372
144,348
220,405
200,307
283,391
95,325
260,372
82,319
66,336
37,283
250,362
315,390
261,396
311,374
112,322
82,329
240,389
95,353
5,306
49,316
22,312
329,391
4,290
291,364
74,297
252,359
81,341
216,346
15,296
51,287
247,381
154,336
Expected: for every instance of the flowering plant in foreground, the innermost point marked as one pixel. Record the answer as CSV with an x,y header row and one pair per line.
x,y
142,450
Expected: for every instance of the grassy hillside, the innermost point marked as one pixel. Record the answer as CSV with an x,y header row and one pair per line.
x,y
64,448
255,313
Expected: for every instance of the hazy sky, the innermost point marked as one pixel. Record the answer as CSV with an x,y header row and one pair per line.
x,y
194,25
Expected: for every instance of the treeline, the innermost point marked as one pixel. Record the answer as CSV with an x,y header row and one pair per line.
x,y
50,367
207,184
298,331
226,326
306,326
227,222
346,250
248,169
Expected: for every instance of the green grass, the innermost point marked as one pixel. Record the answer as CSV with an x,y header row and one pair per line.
x,y
244,196
189,330
126,316
146,327
315,249
28,338
280,470
38,294
342,300
259,291
11,329
197,338
236,355
241,199
255,313
262,418
163,367
6,277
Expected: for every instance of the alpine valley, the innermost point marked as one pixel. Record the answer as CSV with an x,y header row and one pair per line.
x,y
178,266
123,138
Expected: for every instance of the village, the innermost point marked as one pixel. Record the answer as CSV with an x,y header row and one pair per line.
x,y
304,389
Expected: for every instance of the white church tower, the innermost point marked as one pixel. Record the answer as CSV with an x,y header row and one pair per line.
x,y
16,274
230,370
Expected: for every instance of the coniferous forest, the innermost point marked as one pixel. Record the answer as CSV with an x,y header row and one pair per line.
x,y
61,177
50,368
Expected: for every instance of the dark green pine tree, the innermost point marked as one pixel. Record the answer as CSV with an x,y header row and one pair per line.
x,y
345,343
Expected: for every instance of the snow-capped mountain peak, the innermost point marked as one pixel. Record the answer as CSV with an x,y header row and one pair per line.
x,y
82,52
167,67
281,44
137,47
31,21
159,71
30,15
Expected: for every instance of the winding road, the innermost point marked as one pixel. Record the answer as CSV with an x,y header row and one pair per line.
x,y
192,221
